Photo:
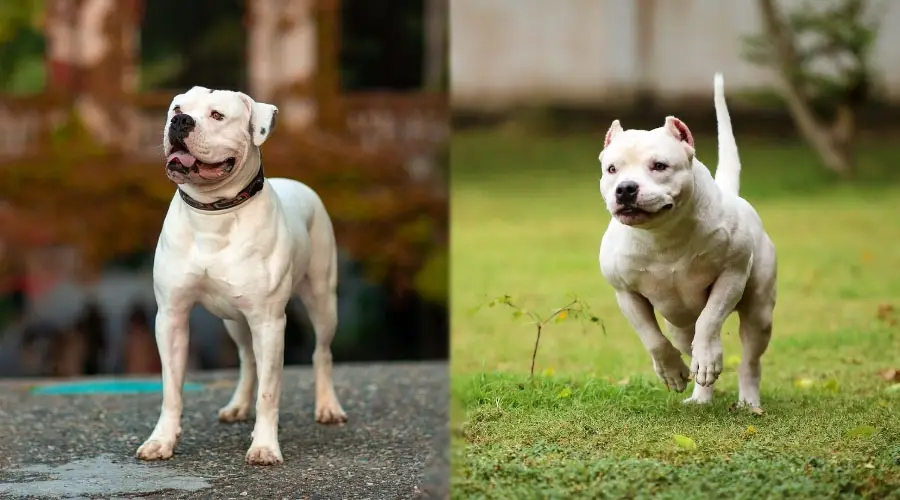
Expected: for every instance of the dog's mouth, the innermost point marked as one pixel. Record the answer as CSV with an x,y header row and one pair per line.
x,y
631,215
182,166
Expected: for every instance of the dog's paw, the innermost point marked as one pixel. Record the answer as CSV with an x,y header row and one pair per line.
x,y
753,405
701,396
234,413
741,405
155,449
330,412
264,455
706,363
671,369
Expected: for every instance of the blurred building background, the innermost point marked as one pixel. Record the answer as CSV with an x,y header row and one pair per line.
x,y
84,85
642,57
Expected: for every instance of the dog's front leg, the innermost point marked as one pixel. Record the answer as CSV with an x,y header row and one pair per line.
x,y
267,328
172,340
706,352
667,360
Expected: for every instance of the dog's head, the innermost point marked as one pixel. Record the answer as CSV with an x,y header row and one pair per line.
x,y
210,133
647,174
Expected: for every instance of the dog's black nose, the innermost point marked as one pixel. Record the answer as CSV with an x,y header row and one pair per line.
x,y
626,192
180,126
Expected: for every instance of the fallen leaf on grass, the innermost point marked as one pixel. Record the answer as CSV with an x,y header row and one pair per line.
x,y
886,313
624,381
732,361
861,431
891,375
565,393
684,442
803,383
749,431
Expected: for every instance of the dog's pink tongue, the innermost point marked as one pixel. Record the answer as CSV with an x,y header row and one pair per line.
x,y
184,158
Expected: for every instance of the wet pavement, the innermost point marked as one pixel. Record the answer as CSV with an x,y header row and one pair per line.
x,y
395,445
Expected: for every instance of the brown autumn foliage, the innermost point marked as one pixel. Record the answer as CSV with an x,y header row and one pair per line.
x,y
108,205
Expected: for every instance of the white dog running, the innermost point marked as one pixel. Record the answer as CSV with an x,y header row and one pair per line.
x,y
686,245
241,245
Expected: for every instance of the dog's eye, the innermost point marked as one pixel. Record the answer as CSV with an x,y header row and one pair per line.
x,y
217,116
659,166
176,110
611,169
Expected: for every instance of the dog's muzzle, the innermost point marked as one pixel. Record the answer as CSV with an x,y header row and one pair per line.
x,y
627,193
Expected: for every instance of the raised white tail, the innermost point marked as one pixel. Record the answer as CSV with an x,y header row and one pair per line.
x,y
728,171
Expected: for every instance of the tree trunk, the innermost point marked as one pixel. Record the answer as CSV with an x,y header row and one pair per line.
x,y
91,55
282,58
435,44
832,145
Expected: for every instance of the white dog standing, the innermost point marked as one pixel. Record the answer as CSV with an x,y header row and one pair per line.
x,y
685,244
241,245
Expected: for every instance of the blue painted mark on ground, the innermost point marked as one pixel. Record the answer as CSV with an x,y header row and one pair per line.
x,y
106,387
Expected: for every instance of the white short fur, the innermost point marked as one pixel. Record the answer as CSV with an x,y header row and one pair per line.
x,y
690,249
242,264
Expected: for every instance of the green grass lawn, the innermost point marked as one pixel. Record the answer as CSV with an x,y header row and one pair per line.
x,y
595,422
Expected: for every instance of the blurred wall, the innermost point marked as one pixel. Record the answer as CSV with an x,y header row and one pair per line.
x,y
600,52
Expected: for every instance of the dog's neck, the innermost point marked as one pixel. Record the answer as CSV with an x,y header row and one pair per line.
x,y
694,218
229,187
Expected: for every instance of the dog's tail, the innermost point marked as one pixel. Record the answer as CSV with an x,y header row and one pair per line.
x,y
728,172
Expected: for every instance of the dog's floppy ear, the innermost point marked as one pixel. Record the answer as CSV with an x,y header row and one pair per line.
x,y
614,129
681,131
262,119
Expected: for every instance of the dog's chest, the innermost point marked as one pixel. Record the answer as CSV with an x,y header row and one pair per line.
x,y
221,298
677,287
231,264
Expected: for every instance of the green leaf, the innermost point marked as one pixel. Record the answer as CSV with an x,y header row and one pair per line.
x,y
548,372
861,431
565,393
517,314
803,383
684,442
831,385
893,389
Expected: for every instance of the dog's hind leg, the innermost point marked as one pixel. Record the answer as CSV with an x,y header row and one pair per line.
x,y
319,294
682,339
238,409
321,305
755,332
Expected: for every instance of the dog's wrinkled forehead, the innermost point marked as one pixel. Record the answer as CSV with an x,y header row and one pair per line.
x,y
201,100
632,147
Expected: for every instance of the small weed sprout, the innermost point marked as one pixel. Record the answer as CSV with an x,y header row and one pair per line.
x,y
575,309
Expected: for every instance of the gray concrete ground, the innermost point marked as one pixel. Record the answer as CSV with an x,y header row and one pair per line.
x,y
395,444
